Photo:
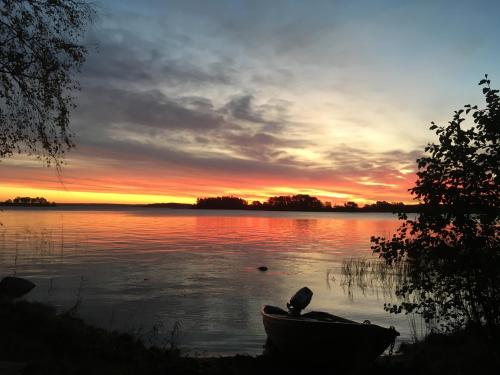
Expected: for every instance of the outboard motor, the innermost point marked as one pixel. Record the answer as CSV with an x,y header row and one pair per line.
x,y
299,301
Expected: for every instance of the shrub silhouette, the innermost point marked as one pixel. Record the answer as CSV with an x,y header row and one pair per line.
x,y
452,247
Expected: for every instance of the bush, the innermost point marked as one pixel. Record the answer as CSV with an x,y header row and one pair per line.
x,y
452,247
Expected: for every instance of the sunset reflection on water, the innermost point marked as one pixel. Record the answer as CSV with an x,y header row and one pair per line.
x,y
134,269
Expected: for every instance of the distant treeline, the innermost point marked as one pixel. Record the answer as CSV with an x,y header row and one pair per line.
x,y
28,201
300,202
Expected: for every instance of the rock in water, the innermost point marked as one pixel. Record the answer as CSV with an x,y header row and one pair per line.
x,y
14,287
262,268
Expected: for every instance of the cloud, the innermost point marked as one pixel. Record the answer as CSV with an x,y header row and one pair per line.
x,y
363,169
261,146
254,166
105,106
176,102
356,161
122,57
241,108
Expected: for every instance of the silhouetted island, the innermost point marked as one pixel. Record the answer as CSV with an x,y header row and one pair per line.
x,y
28,201
299,202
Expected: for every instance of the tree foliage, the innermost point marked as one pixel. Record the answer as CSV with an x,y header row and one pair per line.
x,y
28,201
452,246
39,54
298,202
223,203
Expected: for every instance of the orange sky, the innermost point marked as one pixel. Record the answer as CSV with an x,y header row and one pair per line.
x,y
141,184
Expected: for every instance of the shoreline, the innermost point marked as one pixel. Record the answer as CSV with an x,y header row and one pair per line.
x,y
37,340
160,206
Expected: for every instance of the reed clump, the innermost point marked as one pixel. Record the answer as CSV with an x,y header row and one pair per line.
x,y
363,274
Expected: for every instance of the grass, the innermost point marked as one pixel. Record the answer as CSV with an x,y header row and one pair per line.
x,y
33,333
371,273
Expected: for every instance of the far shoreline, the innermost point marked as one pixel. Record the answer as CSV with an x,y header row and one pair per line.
x,y
184,206
112,206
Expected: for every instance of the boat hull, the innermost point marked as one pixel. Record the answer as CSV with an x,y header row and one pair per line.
x,y
339,338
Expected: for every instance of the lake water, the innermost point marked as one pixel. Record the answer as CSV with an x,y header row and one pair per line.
x,y
190,276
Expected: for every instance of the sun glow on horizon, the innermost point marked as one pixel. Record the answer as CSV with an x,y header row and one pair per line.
x,y
89,197
64,196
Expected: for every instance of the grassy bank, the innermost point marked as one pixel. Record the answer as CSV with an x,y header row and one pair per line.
x,y
43,342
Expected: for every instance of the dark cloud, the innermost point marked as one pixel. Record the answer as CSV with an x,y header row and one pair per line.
x,y
271,115
134,88
105,106
122,57
179,72
261,146
241,108
136,155
196,103
113,56
244,129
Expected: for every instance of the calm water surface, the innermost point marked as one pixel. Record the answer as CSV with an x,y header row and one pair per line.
x,y
147,271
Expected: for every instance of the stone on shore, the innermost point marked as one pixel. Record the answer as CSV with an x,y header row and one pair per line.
x,y
15,287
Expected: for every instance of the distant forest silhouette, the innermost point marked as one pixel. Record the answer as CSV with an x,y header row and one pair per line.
x,y
27,201
299,202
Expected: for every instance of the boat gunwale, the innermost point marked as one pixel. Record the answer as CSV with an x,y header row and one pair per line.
x,y
310,320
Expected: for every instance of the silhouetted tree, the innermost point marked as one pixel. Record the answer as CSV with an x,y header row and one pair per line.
x,y
299,202
351,206
452,248
384,206
39,53
256,205
28,201
225,203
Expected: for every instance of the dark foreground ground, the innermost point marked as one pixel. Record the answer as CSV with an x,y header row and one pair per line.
x,y
35,340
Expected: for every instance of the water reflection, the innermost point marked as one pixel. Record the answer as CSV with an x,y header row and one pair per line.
x,y
150,270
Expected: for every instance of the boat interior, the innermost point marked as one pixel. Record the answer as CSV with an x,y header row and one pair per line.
x,y
313,315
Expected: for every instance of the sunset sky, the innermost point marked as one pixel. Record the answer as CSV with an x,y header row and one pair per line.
x,y
186,99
